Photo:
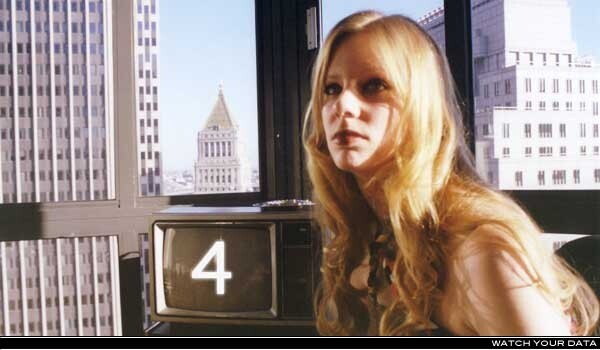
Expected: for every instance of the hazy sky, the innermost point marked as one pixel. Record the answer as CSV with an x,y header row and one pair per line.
x,y
203,44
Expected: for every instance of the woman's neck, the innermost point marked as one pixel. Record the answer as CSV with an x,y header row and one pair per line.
x,y
373,194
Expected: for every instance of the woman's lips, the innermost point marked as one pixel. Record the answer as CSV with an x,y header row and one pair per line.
x,y
345,137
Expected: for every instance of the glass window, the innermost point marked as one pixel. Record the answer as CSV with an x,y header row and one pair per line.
x,y
52,101
559,27
207,82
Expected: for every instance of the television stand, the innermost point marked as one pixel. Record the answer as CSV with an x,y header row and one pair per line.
x,y
170,329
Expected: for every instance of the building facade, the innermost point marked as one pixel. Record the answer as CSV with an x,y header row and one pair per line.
x,y
221,165
55,101
60,287
536,99
146,32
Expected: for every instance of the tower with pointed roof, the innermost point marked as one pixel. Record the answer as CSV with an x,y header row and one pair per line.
x,y
221,165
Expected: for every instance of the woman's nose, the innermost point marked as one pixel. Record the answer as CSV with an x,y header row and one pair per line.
x,y
348,104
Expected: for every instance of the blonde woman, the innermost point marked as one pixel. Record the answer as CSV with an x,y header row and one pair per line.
x,y
419,244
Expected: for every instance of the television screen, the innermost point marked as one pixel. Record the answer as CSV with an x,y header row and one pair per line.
x,y
219,268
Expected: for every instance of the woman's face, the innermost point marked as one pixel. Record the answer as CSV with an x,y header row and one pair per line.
x,y
359,113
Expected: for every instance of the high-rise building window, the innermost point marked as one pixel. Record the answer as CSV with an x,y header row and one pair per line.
x,y
582,106
594,86
506,130
542,85
545,151
576,178
582,130
507,87
555,85
594,108
541,178
559,177
486,91
582,86
528,130
527,151
555,106
527,84
569,106
563,151
527,105
569,86
583,150
545,130
542,105
597,175
497,88
595,130
563,130
505,152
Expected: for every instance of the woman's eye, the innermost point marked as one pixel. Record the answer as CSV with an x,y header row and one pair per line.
x,y
332,89
373,86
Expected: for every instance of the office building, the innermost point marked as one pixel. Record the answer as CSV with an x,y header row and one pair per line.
x,y
60,287
221,165
536,98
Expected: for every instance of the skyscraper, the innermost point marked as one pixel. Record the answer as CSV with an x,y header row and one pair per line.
x,y
221,165
536,99
64,286
55,95
147,84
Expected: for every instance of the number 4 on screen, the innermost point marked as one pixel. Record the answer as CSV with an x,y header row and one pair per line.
x,y
217,250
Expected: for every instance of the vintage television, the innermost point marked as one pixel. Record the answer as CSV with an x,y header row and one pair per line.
x,y
234,265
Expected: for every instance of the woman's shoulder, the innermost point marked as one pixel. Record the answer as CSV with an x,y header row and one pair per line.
x,y
492,283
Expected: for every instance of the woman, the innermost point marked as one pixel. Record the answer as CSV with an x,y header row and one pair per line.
x,y
419,244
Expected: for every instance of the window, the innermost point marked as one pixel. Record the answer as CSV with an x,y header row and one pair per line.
x,y
506,130
582,86
569,86
563,151
507,87
563,130
486,91
545,151
497,88
555,86
576,178
527,84
542,105
559,177
541,178
506,152
581,129
542,85
527,151
545,130
527,130
527,105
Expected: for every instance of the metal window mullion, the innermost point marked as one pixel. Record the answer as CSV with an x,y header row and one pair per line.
x,y
6,315
78,286
71,107
115,285
34,106
15,87
95,286
88,98
41,277
108,99
23,290
140,132
52,100
59,276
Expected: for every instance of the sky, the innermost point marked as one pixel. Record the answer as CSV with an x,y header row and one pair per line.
x,y
202,46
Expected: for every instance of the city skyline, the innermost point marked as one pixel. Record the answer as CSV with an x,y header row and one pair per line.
x,y
239,79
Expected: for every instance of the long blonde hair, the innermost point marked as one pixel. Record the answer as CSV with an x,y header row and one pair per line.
x,y
433,194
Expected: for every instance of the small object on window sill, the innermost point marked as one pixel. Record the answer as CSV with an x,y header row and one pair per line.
x,y
285,204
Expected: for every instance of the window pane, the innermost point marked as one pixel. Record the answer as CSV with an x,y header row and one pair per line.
x,y
54,125
424,11
536,131
197,100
